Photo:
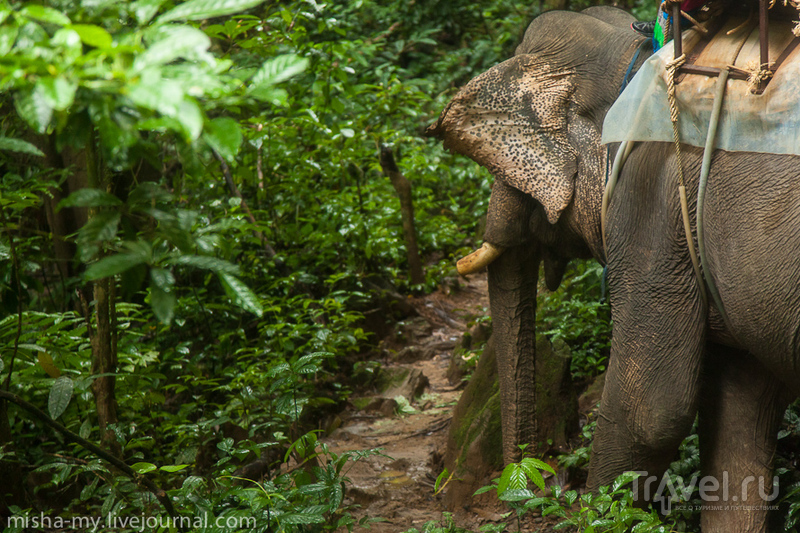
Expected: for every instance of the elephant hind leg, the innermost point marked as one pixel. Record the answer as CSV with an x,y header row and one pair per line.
x,y
740,413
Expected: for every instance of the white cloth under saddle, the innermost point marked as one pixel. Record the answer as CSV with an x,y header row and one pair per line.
x,y
769,122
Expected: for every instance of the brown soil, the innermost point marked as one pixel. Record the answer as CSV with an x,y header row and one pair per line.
x,y
399,489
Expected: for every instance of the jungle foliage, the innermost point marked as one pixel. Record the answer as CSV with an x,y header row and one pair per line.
x,y
194,224
193,221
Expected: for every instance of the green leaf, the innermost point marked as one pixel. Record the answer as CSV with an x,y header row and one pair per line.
x,y
206,262
278,69
624,479
102,227
113,265
173,468
86,429
206,9
34,108
153,92
532,468
441,477
144,10
143,468
172,42
45,14
162,302
18,145
88,197
58,92
190,117
302,519
224,135
516,495
60,395
162,278
241,294
485,488
8,36
70,43
513,477
93,35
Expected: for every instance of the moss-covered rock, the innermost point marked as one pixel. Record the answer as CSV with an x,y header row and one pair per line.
x,y
474,449
474,441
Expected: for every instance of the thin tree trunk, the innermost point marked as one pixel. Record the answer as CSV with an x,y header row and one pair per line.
x,y
104,357
403,188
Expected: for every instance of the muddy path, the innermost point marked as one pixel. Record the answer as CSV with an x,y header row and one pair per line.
x,y
399,489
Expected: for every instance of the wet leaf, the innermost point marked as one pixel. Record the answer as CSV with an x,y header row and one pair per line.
x,y
60,395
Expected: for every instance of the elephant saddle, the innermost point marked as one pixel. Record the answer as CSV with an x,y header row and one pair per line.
x,y
750,121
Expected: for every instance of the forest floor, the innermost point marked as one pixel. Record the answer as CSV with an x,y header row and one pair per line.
x,y
399,489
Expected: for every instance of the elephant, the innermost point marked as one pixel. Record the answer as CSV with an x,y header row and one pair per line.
x,y
535,122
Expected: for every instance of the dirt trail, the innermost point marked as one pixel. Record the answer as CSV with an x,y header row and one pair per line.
x,y
400,490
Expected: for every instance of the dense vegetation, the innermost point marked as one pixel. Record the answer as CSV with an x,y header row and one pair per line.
x,y
194,222
193,217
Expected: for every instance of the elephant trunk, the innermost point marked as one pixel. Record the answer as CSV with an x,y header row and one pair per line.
x,y
513,277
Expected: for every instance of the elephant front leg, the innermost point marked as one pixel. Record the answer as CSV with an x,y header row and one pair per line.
x,y
652,386
740,413
512,293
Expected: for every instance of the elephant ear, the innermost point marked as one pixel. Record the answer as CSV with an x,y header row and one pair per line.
x,y
512,119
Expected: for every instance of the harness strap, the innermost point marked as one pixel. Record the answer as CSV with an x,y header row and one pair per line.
x,y
708,152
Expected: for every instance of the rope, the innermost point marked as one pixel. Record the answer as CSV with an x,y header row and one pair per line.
x,y
672,69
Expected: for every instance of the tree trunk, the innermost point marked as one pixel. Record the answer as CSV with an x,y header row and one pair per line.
x,y
403,188
104,356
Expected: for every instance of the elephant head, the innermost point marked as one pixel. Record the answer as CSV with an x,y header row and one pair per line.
x,y
534,122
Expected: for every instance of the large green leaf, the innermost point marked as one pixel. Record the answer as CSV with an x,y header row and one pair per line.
x,y
100,228
206,262
8,35
144,10
157,94
60,395
88,197
162,302
206,9
512,478
70,44
224,135
93,35
59,92
171,43
45,14
278,69
241,293
18,145
113,265
191,119
162,278
34,108
143,468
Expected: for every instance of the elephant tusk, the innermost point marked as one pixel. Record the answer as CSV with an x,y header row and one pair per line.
x,y
478,259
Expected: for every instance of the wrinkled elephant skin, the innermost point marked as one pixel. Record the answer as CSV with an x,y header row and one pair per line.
x,y
534,121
